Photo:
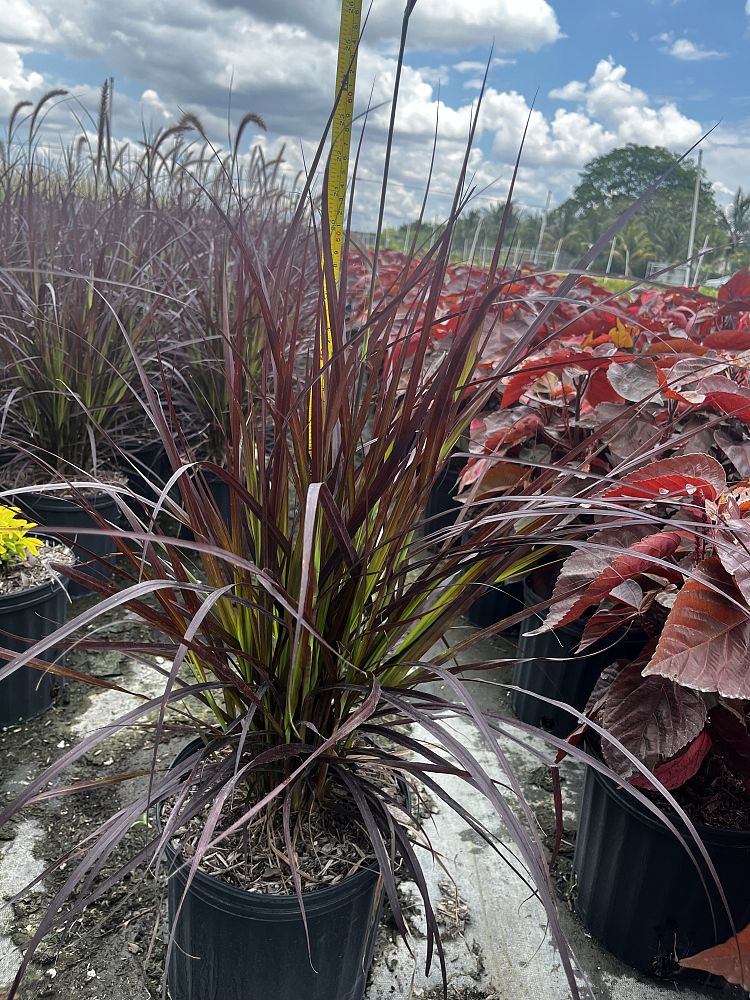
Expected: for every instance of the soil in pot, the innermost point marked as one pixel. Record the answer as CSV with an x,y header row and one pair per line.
x,y
235,944
551,667
638,892
33,604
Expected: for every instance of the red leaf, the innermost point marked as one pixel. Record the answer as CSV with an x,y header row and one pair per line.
x,y
632,563
726,396
591,573
733,549
493,473
734,295
534,369
677,346
729,340
731,959
705,643
599,390
522,429
652,717
698,476
682,768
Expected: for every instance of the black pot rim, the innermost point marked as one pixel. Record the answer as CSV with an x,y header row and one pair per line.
x,y
243,902
712,834
99,499
29,596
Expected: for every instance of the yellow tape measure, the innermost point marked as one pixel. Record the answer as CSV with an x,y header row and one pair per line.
x,y
341,128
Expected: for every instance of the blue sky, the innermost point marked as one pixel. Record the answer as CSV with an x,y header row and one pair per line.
x,y
651,71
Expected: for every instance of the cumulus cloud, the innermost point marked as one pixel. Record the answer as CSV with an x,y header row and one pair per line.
x,y
279,58
687,51
625,111
515,25
16,82
475,66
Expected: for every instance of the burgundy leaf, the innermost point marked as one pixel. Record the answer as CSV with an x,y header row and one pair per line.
x,y
738,452
635,382
590,574
556,362
705,643
652,717
604,623
522,429
733,549
729,340
681,768
603,683
734,295
723,394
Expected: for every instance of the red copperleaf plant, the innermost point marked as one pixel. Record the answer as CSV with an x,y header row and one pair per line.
x,y
663,370
685,579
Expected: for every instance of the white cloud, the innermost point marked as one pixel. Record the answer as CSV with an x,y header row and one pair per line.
x,y
16,82
625,111
474,66
24,22
687,51
515,25
152,102
280,55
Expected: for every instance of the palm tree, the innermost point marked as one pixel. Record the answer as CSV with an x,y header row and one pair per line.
x,y
737,217
634,245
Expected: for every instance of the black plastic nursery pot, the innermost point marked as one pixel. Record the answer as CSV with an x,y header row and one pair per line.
x,y
61,512
550,667
638,892
26,617
230,944
497,602
442,509
146,472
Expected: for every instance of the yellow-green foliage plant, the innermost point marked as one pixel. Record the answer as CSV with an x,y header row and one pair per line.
x,y
16,542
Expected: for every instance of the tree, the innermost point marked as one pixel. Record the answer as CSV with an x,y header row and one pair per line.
x,y
738,217
610,183
634,248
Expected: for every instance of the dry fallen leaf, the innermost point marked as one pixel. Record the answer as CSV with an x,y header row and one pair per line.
x,y
731,959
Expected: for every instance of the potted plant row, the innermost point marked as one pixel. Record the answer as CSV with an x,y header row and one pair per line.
x,y
673,717
301,632
627,384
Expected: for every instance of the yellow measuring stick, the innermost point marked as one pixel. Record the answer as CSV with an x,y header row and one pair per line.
x,y
338,168
341,129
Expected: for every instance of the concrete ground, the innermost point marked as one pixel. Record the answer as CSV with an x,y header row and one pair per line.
x,y
496,942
